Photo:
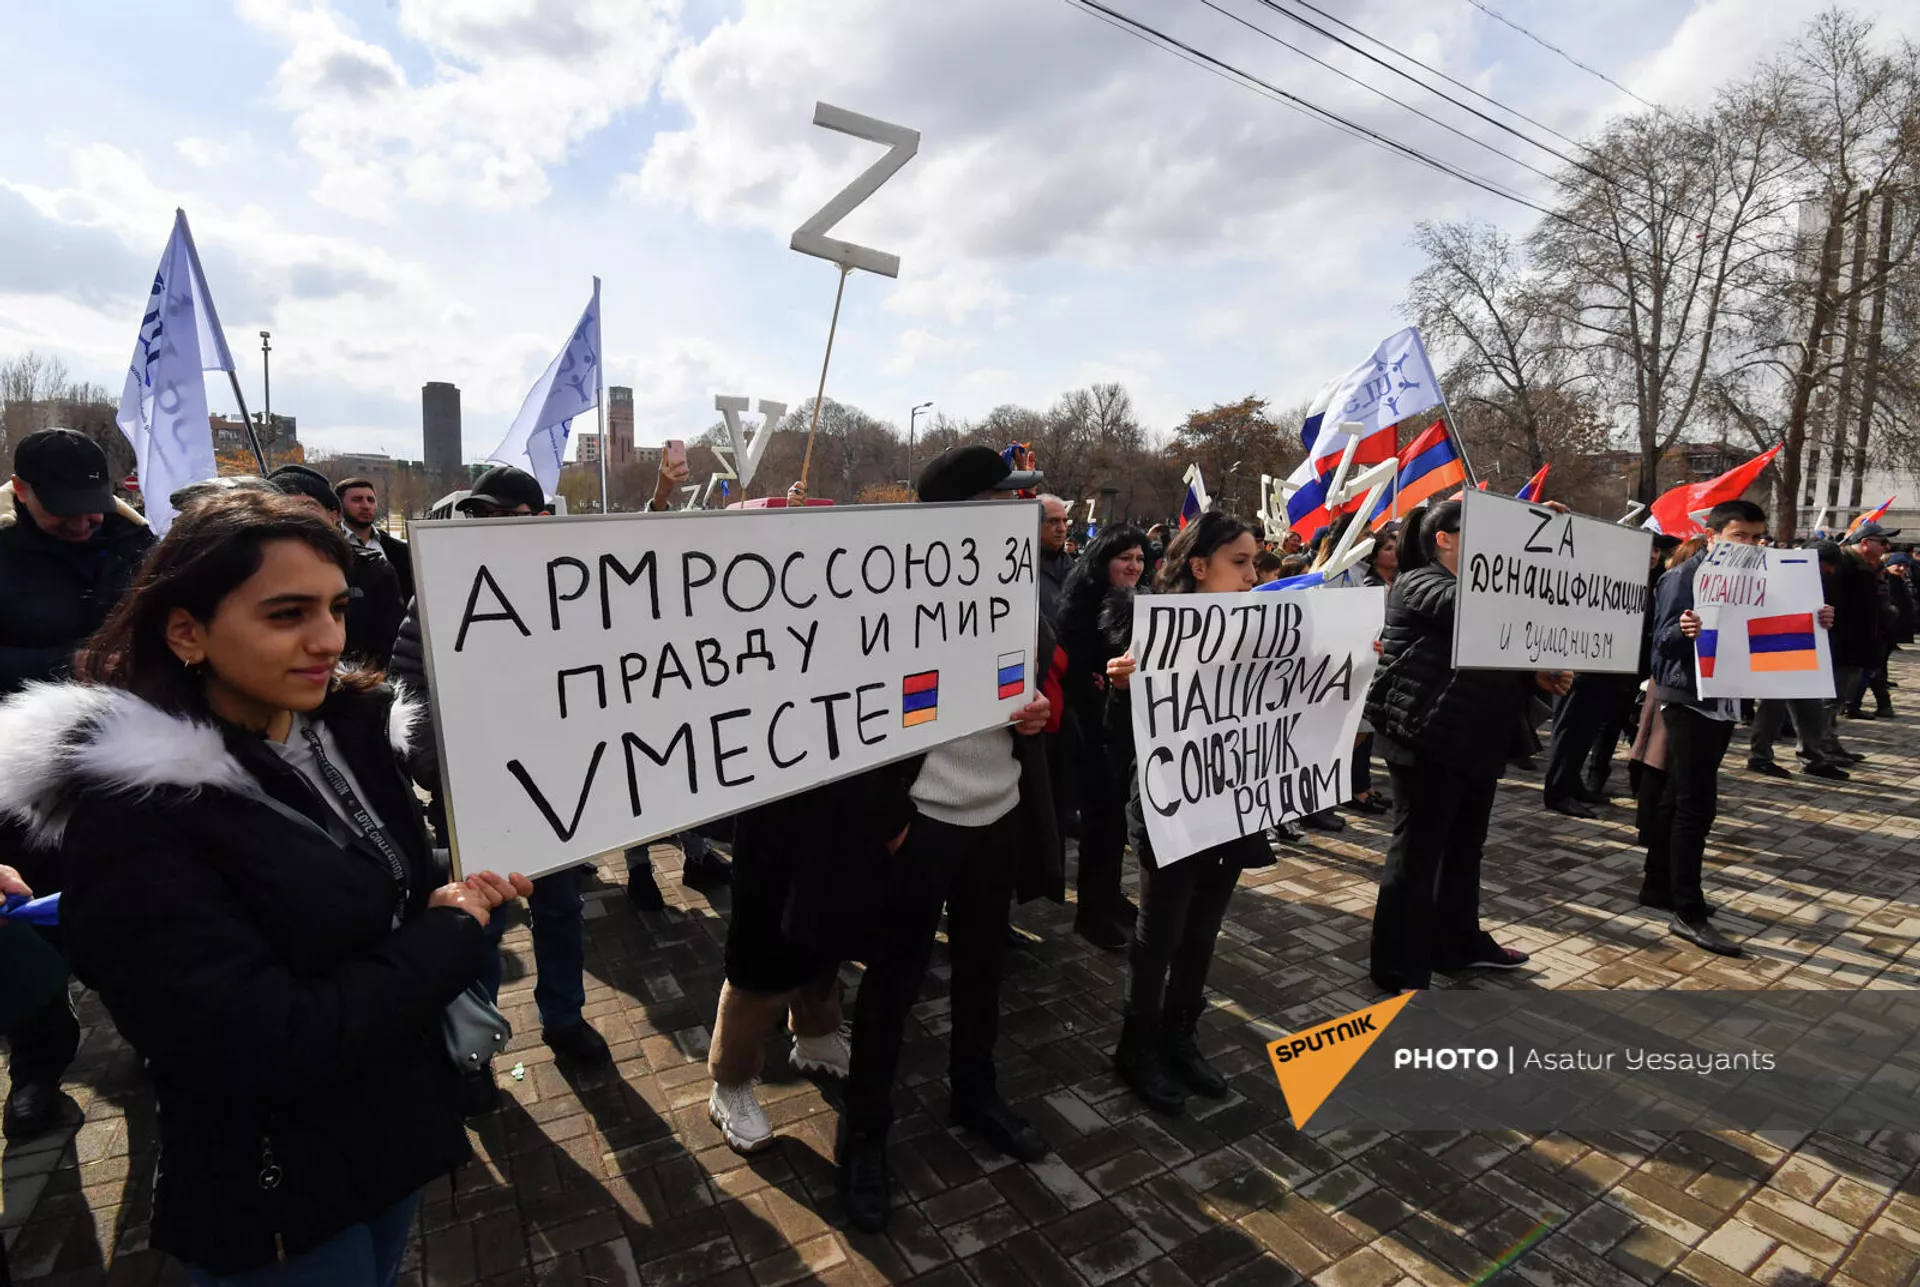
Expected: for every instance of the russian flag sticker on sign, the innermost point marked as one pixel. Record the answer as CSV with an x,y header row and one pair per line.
x,y
1012,674
1704,647
920,698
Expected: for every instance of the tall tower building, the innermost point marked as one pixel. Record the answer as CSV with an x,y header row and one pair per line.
x,y
620,426
440,426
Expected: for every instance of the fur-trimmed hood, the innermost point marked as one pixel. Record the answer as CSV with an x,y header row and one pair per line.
x,y
58,741
10,514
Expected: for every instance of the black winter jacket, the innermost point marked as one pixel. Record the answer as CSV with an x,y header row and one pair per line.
x,y
54,593
252,961
376,610
1859,636
408,670
1423,711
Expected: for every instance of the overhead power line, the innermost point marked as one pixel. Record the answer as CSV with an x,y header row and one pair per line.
x,y
1499,17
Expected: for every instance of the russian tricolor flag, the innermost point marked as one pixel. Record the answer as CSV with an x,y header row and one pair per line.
x,y
1011,674
1430,465
1705,646
1536,488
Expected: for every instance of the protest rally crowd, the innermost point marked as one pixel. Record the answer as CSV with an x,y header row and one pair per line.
x,y
218,748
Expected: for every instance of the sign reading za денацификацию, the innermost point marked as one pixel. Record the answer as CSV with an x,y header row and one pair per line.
x,y
1760,632
1245,708
602,681
1541,590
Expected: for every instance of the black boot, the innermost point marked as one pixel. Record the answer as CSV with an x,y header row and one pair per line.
x,y
1180,1052
865,1188
1137,1060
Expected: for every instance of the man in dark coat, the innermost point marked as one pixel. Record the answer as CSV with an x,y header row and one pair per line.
x,y
977,827
359,508
375,608
68,552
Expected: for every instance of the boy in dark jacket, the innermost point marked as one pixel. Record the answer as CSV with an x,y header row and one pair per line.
x,y
1698,733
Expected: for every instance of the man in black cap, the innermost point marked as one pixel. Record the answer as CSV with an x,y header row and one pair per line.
x,y
68,551
1872,542
374,606
981,828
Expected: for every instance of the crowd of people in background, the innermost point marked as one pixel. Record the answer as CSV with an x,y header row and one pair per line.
x,y
218,748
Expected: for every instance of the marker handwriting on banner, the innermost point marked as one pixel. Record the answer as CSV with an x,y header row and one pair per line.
x,y
1546,589
1243,709
1730,573
669,671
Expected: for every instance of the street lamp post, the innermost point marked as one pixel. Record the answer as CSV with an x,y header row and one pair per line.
x,y
266,380
913,421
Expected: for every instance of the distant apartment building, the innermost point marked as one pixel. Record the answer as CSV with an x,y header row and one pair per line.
x,y
440,430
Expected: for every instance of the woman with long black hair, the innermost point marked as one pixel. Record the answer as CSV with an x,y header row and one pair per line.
x,y
251,892
1444,735
1111,567
1182,903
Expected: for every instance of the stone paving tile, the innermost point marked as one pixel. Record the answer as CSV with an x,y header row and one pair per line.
x,y
618,1177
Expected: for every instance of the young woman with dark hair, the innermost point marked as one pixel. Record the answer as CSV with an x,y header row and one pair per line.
x,y
1444,735
1183,903
1110,569
250,890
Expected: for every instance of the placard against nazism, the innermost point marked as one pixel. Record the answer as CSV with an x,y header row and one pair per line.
x,y
1541,590
602,681
1245,708
1760,632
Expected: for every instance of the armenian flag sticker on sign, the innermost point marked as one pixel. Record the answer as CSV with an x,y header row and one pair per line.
x,y
920,698
1012,668
1782,643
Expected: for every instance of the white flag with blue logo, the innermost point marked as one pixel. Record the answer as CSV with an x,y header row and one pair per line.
x,y
571,384
163,404
1396,382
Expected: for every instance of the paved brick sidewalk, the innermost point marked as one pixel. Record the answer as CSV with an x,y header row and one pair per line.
x,y
620,1179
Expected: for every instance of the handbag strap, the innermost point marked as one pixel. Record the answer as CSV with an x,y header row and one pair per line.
x,y
362,818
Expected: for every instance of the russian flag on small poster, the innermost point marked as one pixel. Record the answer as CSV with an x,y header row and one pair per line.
x,y
920,698
1704,648
1012,674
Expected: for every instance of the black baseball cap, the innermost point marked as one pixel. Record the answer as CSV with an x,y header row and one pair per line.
x,y
504,488
1867,531
67,472
299,480
962,473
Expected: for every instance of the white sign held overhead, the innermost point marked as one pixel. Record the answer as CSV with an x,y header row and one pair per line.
x,y
1542,590
1760,631
1245,709
811,237
603,680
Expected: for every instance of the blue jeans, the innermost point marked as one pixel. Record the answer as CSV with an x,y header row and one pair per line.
x,y
366,1255
559,949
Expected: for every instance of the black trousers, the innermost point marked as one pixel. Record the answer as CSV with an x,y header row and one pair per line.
x,y
1689,800
1181,907
1586,727
971,871
1103,835
41,1046
1427,915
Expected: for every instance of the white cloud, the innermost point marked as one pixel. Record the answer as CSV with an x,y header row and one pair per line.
x,y
201,153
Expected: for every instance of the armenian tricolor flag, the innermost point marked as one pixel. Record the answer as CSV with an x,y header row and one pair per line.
x,y
920,698
1012,668
1536,488
1782,643
1871,516
1429,466
1704,647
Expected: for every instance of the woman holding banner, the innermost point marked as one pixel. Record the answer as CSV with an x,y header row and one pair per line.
x,y
251,892
1183,903
1110,570
1444,734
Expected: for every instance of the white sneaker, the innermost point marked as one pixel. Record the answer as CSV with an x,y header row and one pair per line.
x,y
831,1055
736,1111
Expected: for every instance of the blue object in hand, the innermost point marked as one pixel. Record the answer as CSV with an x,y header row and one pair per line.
x,y
31,911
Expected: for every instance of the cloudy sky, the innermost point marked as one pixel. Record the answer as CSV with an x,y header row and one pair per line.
x,y
414,190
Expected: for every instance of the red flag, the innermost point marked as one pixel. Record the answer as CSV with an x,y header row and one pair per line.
x,y
1670,513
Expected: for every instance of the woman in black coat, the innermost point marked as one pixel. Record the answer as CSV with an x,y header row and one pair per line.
x,y
249,889
1183,902
1444,734
1113,563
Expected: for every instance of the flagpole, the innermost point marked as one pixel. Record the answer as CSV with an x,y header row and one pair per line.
x,y
1453,432
246,419
806,464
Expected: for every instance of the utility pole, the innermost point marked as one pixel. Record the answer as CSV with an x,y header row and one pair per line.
x,y
266,379
913,419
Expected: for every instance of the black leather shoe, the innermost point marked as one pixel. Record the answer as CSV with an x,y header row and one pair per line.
x,y
1140,1066
1831,772
1767,769
708,872
1704,935
866,1190
578,1042
1325,820
35,1108
989,1117
1100,931
1572,808
1286,833
1180,1052
643,891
